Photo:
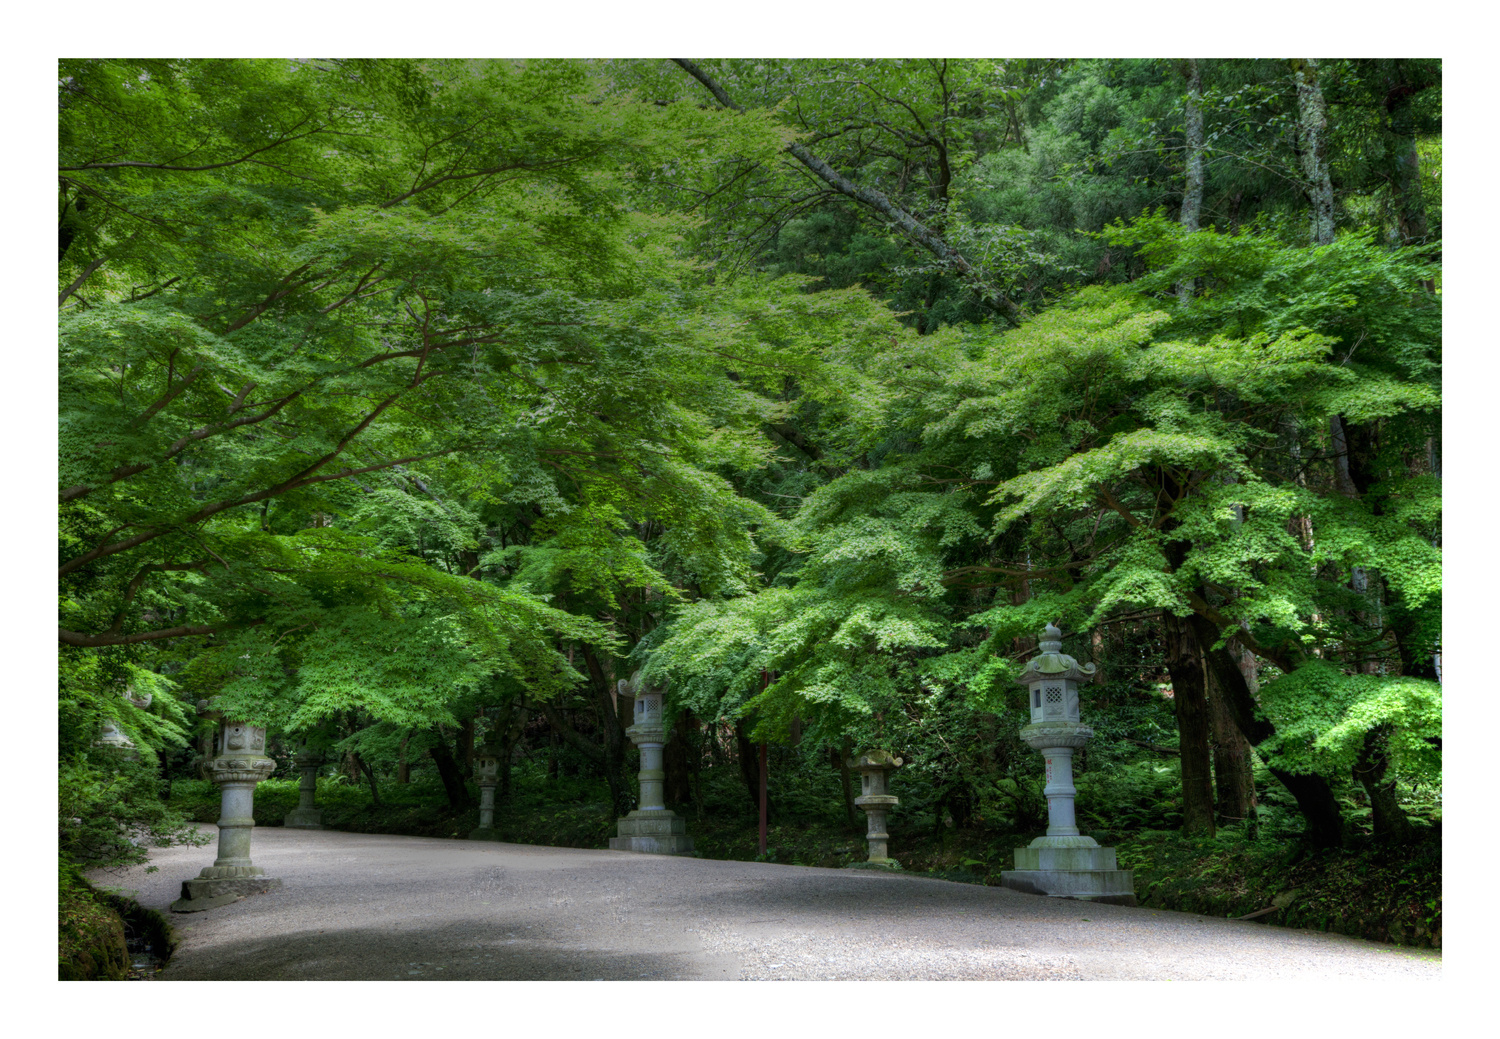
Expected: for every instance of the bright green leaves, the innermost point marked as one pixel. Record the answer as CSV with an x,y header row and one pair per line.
x,y
835,655
1076,481
349,626
1322,717
1118,455
1371,301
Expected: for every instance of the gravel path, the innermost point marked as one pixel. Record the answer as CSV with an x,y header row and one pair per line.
x,y
381,907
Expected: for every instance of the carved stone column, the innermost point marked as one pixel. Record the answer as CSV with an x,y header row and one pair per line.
x,y
652,827
875,800
240,764
307,815
487,774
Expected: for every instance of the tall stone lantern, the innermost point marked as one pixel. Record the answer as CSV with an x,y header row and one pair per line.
x,y
239,764
653,827
487,774
875,800
1063,863
307,815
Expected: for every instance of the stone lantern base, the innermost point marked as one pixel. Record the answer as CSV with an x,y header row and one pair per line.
x,y
304,819
656,832
220,885
1070,867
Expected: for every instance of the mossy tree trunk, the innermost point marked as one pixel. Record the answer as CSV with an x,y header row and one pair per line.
x,y
1320,809
1190,702
1372,770
1234,777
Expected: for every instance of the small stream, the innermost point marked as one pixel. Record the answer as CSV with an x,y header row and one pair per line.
x,y
147,947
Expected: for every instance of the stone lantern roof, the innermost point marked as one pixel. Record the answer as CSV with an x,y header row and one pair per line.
x,y
1052,662
875,759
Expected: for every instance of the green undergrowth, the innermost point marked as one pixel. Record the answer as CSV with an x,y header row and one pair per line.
x,y
90,931
98,928
1380,892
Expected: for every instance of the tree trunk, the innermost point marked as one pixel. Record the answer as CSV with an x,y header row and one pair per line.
x,y
1370,769
1320,809
466,747
1184,659
509,724
403,768
369,772
1190,700
1234,778
1312,149
616,746
841,762
1192,191
621,791
1416,654
451,775
676,761
1406,181
750,766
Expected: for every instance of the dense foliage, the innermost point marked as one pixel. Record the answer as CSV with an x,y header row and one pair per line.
x,y
410,404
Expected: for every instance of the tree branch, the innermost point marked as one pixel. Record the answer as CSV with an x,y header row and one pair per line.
x,y
134,164
875,200
75,638
62,297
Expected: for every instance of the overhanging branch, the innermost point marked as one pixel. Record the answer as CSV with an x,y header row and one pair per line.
x,y
873,199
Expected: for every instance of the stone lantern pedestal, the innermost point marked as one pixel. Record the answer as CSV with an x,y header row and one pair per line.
x,y
240,764
875,800
487,773
307,815
653,827
1064,863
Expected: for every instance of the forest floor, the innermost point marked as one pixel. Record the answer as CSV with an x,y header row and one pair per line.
x,y
410,908
1367,891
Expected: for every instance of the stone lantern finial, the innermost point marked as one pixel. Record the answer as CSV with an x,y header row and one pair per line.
x,y
1051,639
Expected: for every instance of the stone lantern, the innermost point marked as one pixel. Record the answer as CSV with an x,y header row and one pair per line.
x,y
1063,863
874,799
109,733
110,736
241,763
487,773
307,815
652,827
